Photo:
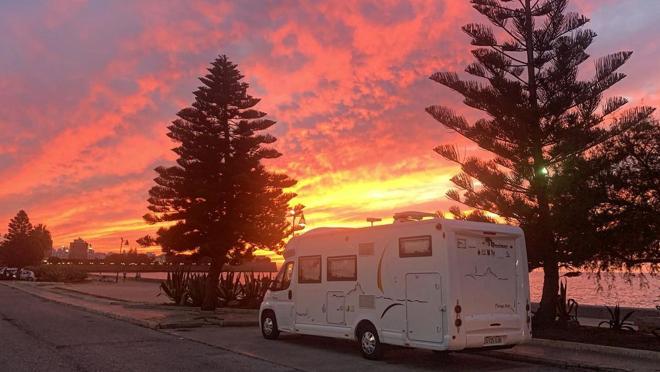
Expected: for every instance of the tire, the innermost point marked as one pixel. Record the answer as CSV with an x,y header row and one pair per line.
x,y
369,343
269,325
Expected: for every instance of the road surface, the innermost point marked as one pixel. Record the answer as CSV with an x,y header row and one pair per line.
x,y
39,335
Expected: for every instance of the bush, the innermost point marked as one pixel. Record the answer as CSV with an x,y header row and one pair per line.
x,y
59,273
229,288
618,320
176,286
196,286
234,289
253,290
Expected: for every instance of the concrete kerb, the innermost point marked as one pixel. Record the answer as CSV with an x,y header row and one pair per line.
x,y
517,357
611,350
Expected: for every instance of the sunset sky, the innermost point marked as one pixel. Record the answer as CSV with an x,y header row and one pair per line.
x,y
87,89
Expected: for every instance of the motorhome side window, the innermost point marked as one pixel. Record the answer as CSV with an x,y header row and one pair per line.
x,y
342,268
415,246
283,278
309,269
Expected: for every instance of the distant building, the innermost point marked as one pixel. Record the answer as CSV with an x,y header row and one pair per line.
x,y
78,249
93,255
61,253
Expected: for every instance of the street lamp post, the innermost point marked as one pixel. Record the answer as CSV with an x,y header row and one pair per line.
x,y
297,213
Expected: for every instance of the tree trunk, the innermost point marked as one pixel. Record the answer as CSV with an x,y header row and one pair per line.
x,y
210,301
548,308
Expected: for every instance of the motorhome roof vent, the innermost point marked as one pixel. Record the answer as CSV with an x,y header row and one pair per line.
x,y
410,216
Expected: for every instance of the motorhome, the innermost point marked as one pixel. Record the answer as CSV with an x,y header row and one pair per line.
x,y
430,283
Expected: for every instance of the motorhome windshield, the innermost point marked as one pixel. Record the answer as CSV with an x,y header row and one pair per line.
x,y
283,278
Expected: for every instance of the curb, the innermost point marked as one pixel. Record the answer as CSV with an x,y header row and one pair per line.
x,y
612,350
516,357
94,295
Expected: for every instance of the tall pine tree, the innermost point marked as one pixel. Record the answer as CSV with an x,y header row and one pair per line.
x,y
539,117
24,244
219,200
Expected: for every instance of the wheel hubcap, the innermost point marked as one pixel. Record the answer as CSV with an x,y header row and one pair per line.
x,y
368,342
268,326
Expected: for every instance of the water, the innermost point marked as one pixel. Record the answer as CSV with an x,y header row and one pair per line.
x,y
582,288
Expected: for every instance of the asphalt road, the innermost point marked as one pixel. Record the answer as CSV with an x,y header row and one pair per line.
x,y
39,335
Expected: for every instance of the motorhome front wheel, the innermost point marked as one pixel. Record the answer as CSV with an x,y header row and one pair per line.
x,y
269,326
370,345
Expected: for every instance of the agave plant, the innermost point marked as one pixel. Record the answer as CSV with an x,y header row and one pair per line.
x,y
618,321
175,286
229,288
254,289
566,307
196,285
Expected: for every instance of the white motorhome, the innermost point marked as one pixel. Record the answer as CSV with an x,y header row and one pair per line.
x,y
434,283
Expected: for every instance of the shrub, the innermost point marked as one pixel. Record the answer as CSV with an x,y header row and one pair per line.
x,y
618,321
59,273
229,288
196,286
254,289
566,307
176,286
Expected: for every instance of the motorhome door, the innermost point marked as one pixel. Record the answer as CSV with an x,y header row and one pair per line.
x,y
424,307
335,307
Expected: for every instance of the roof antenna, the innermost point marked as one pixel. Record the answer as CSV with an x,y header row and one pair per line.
x,y
373,219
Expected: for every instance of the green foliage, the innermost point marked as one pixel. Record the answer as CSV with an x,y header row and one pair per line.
x,y
229,288
196,289
175,287
254,289
475,215
567,308
24,244
234,289
59,273
542,125
628,216
219,182
618,321
219,199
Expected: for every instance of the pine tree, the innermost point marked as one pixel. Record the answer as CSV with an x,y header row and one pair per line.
x,y
539,117
19,226
24,245
219,199
628,216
